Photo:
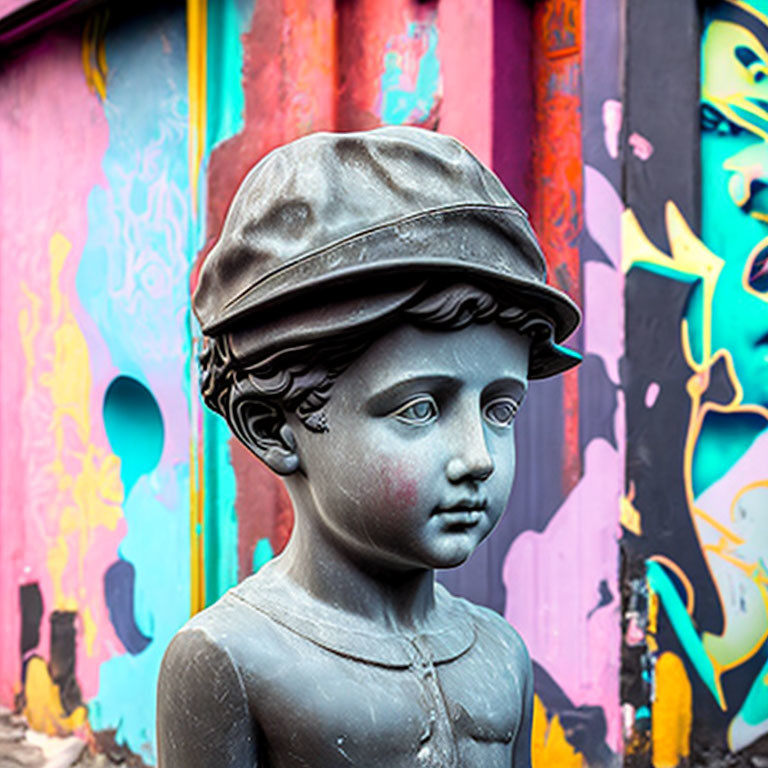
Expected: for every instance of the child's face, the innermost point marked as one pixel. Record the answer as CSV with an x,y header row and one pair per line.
x,y
419,459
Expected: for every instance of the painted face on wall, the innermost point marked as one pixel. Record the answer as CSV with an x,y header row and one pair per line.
x,y
735,195
419,459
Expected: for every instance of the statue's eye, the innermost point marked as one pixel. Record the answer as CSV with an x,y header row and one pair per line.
x,y
501,411
421,410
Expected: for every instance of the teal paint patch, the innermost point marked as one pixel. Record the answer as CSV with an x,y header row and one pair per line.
x,y
262,554
682,623
734,169
134,428
220,516
404,99
127,683
132,281
761,6
227,22
713,456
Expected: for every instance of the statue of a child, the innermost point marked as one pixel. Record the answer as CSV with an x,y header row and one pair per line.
x,y
373,311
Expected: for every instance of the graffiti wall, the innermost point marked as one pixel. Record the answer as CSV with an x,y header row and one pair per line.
x,y
95,322
569,616
695,598
632,557
125,506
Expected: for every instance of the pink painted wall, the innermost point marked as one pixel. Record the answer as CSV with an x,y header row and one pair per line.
x,y
60,494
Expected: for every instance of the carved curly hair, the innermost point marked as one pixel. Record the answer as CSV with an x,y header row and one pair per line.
x,y
299,379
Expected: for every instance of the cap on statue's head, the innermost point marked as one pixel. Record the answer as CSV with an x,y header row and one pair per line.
x,y
333,211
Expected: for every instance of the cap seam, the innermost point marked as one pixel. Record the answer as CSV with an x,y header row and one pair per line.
x,y
371,231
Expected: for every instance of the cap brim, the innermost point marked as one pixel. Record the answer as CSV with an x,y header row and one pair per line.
x,y
490,242
492,246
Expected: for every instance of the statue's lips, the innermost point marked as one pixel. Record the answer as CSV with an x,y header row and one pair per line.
x,y
462,517
464,514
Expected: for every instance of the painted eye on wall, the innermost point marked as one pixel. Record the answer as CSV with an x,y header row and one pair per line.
x,y
758,270
752,62
713,120
419,411
501,412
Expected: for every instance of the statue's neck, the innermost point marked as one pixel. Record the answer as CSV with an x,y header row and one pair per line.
x,y
391,599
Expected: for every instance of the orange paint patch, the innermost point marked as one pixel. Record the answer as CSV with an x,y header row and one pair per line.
x,y
44,710
671,713
549,747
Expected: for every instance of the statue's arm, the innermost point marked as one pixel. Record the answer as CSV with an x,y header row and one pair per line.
x,y
203,718
521,756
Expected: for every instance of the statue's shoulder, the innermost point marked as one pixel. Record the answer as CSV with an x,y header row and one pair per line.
x,y
493,632
202,680
238,625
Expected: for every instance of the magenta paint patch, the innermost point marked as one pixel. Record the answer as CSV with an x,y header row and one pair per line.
x,y
651,394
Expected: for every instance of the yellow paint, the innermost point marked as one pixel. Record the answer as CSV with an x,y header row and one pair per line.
x,y
750,9
196,534
629,515
652,627
197,34
93,53
689,258
89,487
671,712
88,491
43,708
549,747
89,630
197,44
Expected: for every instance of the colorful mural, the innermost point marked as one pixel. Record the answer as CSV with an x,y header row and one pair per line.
x,y
570,622
698,407
632,557
97,307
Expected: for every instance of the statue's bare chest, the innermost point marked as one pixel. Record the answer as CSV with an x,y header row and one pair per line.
x,y
318,708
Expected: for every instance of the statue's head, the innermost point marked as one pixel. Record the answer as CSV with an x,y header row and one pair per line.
x,y
372,314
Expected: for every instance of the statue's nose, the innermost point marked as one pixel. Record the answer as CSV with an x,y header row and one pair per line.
x,y
470,459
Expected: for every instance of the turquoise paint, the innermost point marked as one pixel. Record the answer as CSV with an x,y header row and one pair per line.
x,y
682,623
133,283
134,427
713,455
262,554
220,541
227,21
739,318
761,6
399,104
754,710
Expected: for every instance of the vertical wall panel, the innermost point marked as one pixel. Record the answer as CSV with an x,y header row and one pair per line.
x,y
694,581
96,494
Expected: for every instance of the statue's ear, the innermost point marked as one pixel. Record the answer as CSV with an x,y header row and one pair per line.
x,y
263,429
